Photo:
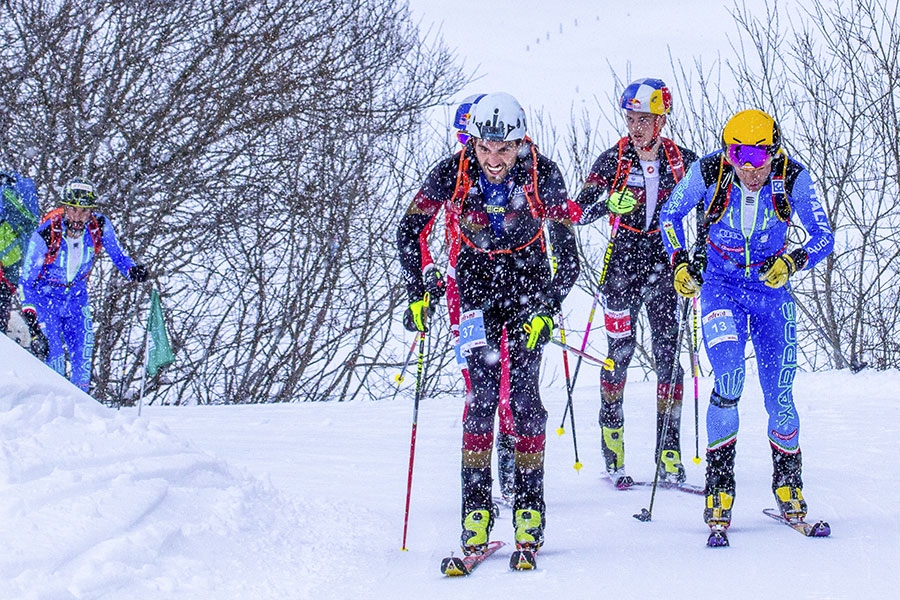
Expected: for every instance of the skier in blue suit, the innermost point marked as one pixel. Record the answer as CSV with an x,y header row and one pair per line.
x,y
61,254
753,193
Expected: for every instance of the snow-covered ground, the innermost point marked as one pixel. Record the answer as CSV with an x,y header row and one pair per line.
x,y
307,500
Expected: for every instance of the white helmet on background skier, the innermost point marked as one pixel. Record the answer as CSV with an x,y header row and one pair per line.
x,y
497,117
463,113
79,193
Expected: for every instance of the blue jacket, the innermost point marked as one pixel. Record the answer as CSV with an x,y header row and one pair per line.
x,y
732,253
42,283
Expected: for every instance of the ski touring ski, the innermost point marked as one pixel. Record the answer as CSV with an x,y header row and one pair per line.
x,y
523,560
717,537
455,566
817,529
669,485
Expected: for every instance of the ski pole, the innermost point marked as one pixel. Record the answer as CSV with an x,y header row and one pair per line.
x,y
569,407
607,363
587,330
855,365
420,376
399,377
695,360
647,513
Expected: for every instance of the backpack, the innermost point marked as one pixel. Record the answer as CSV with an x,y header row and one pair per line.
x,y
19,198
784,174
52,236
623,168
461,190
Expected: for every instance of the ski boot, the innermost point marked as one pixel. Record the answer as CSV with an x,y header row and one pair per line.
x,y
791,503
529,530
476,532
719,493
787,484
613,444
670,468
717,515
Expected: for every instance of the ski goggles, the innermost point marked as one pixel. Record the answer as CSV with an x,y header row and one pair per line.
x,y
462,136
743,156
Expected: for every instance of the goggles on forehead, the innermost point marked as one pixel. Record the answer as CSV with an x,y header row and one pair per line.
x,y
462,136
743,156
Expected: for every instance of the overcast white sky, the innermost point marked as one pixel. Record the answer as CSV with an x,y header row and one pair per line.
x,y
557,55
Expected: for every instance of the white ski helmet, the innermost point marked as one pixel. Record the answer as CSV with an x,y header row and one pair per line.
x,y
497,117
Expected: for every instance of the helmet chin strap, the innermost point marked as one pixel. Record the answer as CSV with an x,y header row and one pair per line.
x,y
654,138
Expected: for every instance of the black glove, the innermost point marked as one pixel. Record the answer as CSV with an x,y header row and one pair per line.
x,y
434,283
31,320
40,347
138,273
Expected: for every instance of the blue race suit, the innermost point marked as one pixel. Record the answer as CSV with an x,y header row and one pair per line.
x,y
18,220
61,301
735,302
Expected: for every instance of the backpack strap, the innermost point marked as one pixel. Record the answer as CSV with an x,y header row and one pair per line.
x,y
461,191
674,158
52,236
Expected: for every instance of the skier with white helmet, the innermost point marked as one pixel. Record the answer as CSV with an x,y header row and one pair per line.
x,y
504,193
629,183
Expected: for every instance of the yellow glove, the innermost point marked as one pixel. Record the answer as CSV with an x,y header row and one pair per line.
x,y
416,316
776,270
621,202
539,331
685,284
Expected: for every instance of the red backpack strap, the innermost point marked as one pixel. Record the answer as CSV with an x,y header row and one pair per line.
x,y
52,235
463,185
531,189
95,227
673,157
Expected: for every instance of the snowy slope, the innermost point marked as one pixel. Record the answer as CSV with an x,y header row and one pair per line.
x,y
307,500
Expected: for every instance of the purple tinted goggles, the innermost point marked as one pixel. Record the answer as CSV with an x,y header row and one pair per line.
x,y
744,157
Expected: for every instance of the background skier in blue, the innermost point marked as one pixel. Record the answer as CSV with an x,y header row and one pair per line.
x,y
60,257
753,193
18,219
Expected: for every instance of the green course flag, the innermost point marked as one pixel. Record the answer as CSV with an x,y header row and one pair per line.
x,y
159,352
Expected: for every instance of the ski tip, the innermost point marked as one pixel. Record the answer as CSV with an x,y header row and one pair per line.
x,y
643,516
453,566
717,539
522,560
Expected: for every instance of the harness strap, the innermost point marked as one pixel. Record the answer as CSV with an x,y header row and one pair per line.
x,y
461,191
724,254
52,235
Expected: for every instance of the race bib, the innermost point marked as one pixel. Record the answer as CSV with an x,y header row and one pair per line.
x,y
719,326
471,331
